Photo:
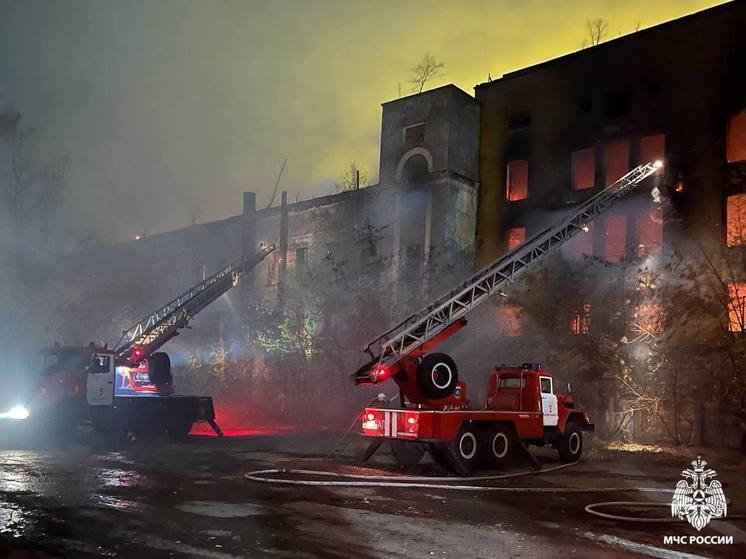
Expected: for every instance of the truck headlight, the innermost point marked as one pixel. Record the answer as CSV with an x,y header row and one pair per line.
x,y
16,412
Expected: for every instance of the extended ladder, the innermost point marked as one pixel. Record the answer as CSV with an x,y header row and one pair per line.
x,y
150,333
418,329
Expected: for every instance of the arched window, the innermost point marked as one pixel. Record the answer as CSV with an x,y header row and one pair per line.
x,y
415,169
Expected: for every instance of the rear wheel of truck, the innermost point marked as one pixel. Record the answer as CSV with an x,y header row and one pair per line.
x,y
108,427
465,452
437,375
407,454
499,444
179,430
570,443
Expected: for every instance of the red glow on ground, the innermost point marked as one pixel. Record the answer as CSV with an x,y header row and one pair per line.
x,y
239,423
204,430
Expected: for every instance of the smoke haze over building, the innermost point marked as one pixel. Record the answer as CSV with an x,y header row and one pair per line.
x,y
169,110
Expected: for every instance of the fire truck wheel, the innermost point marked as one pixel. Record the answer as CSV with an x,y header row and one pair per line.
x,y
179,430
465,452
159,368
570,444
407,454
499,444
437,375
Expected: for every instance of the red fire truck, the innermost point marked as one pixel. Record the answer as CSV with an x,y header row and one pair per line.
x,y
521,409
128,388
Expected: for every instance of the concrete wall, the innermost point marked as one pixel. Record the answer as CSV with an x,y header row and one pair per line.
x,y
434,214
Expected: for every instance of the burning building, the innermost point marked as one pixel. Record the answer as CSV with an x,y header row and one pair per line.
x,y
463,179
553,135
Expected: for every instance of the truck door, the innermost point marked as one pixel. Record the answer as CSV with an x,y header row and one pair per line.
x,y
548,402
100,380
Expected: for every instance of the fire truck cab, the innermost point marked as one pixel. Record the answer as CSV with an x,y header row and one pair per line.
x,y
75,384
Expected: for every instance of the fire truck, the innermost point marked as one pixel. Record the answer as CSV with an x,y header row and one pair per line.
x,y
522,408
127,388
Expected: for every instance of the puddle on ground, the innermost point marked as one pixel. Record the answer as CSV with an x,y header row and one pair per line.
x,y
216,509
13,520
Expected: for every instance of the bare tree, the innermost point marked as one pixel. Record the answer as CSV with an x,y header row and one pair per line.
x,y
20,173
354,178
426,70
597,30
54,178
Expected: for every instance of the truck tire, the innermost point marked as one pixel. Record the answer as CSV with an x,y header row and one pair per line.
x,y
179,430
108,427
499,443
437,375
464,453
159,368
407,453
570,443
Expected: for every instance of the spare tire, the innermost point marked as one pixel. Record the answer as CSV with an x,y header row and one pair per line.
x,y
437,375
159,368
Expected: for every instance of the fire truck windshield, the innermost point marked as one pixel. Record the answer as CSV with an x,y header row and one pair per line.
x,y
64,359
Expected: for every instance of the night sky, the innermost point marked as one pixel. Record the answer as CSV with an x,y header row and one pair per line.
x,y
170,109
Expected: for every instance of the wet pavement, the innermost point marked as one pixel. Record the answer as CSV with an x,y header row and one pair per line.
x,y
162,499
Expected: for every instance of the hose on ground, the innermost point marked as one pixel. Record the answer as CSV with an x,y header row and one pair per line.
x,y
447,483
592,509
426,482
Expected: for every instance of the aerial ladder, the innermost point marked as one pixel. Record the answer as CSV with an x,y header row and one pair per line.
x,y
129,389
150,333
400,353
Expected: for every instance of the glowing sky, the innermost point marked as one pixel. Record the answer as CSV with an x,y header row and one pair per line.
x,y
172,108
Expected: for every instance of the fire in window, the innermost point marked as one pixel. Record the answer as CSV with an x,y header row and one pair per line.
x,y
653,148
648,319
736,150
580,246
737,307
516,237
649,231
617,160
511,320
581,323
583,168
735,234
615,241
517,180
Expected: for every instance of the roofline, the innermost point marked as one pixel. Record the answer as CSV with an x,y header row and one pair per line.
x,y
450,86
728,5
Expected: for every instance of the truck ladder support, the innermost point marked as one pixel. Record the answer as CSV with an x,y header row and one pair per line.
x,y
156,329
416,330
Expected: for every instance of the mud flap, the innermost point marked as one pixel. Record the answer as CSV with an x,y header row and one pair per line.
x,y
523,449
371,449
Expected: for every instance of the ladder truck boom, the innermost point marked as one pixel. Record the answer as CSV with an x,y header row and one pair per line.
x,y
153,331
425,329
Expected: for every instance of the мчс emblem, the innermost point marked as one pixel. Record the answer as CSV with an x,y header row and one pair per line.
x,y
698,497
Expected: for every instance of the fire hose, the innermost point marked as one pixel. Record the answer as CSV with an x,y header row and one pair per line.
x,y
439,482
